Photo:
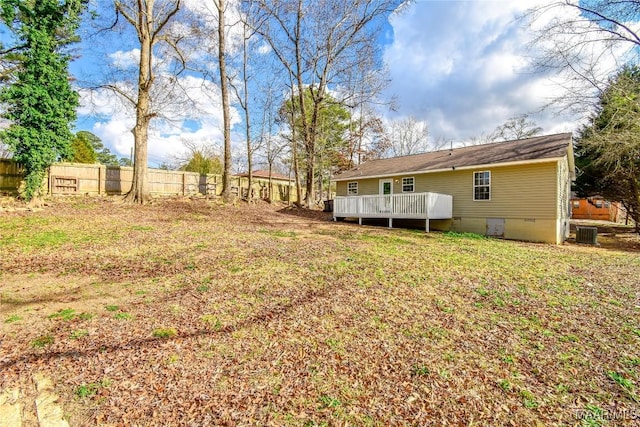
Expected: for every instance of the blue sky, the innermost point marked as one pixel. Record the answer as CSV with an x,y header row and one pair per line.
x,y
464,67
461,66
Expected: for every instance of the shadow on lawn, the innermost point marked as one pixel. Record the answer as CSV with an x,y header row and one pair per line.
x,y
611,236
67,295
614,242
264,317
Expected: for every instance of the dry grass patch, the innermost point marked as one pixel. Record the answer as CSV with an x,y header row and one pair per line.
x,y
270,316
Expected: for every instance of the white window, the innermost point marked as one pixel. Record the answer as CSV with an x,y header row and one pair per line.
x,y
576,204
352,189
407,185
482,185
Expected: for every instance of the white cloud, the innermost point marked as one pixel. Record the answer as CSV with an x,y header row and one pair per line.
x,y
464,66
196,119
125,60
207,14
190,111
264,49
115,133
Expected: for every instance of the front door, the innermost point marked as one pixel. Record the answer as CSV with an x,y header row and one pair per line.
x,y
386,189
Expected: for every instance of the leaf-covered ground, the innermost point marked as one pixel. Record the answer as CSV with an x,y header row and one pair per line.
x,y
193,313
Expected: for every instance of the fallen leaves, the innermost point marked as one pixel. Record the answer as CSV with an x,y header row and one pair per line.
x,y
269,316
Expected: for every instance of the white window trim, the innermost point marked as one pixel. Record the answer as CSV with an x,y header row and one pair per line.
x,y
349,193
413,185
473,186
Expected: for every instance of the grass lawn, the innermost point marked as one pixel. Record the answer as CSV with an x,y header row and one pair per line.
x,y
191,313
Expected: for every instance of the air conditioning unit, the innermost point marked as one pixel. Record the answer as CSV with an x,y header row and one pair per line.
x,y
588,235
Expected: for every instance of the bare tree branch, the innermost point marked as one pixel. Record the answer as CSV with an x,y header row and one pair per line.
x,y
576,40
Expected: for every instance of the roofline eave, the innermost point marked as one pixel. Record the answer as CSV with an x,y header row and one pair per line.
x,y
456,168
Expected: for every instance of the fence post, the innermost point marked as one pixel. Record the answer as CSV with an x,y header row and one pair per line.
x,y
184,183
103,184
50,180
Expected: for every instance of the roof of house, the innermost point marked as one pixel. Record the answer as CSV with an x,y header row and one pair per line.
x,y
263,174
529,150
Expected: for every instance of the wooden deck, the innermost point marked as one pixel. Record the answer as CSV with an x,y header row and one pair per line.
x,y
406,206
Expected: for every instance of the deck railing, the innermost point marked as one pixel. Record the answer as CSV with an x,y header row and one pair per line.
x,y
409,205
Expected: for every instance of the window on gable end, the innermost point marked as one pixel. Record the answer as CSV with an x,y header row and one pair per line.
x,y
482,185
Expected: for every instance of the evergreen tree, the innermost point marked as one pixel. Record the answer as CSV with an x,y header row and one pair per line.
x,y
82,151
332,146
608,148
123,161
40,102
103,154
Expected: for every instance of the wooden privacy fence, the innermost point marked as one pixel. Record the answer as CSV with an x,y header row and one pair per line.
x,y
96,179
10,177
75,178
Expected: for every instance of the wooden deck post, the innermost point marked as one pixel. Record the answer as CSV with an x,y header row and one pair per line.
x,y
390,222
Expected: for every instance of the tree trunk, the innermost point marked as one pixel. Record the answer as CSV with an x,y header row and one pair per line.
x,y
249,175
270,199
310,175
635,188
306,137
245,61
139,192
226,175
294,148
296,173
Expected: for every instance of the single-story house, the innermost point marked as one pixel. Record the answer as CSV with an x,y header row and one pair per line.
x,y
515,189
282,187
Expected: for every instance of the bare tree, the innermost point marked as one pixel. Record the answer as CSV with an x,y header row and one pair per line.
x,y
320,44
367,139
584,42
295,157
483,138
408,136
518,127
247,23
271,145
150,19
282,29
221,8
